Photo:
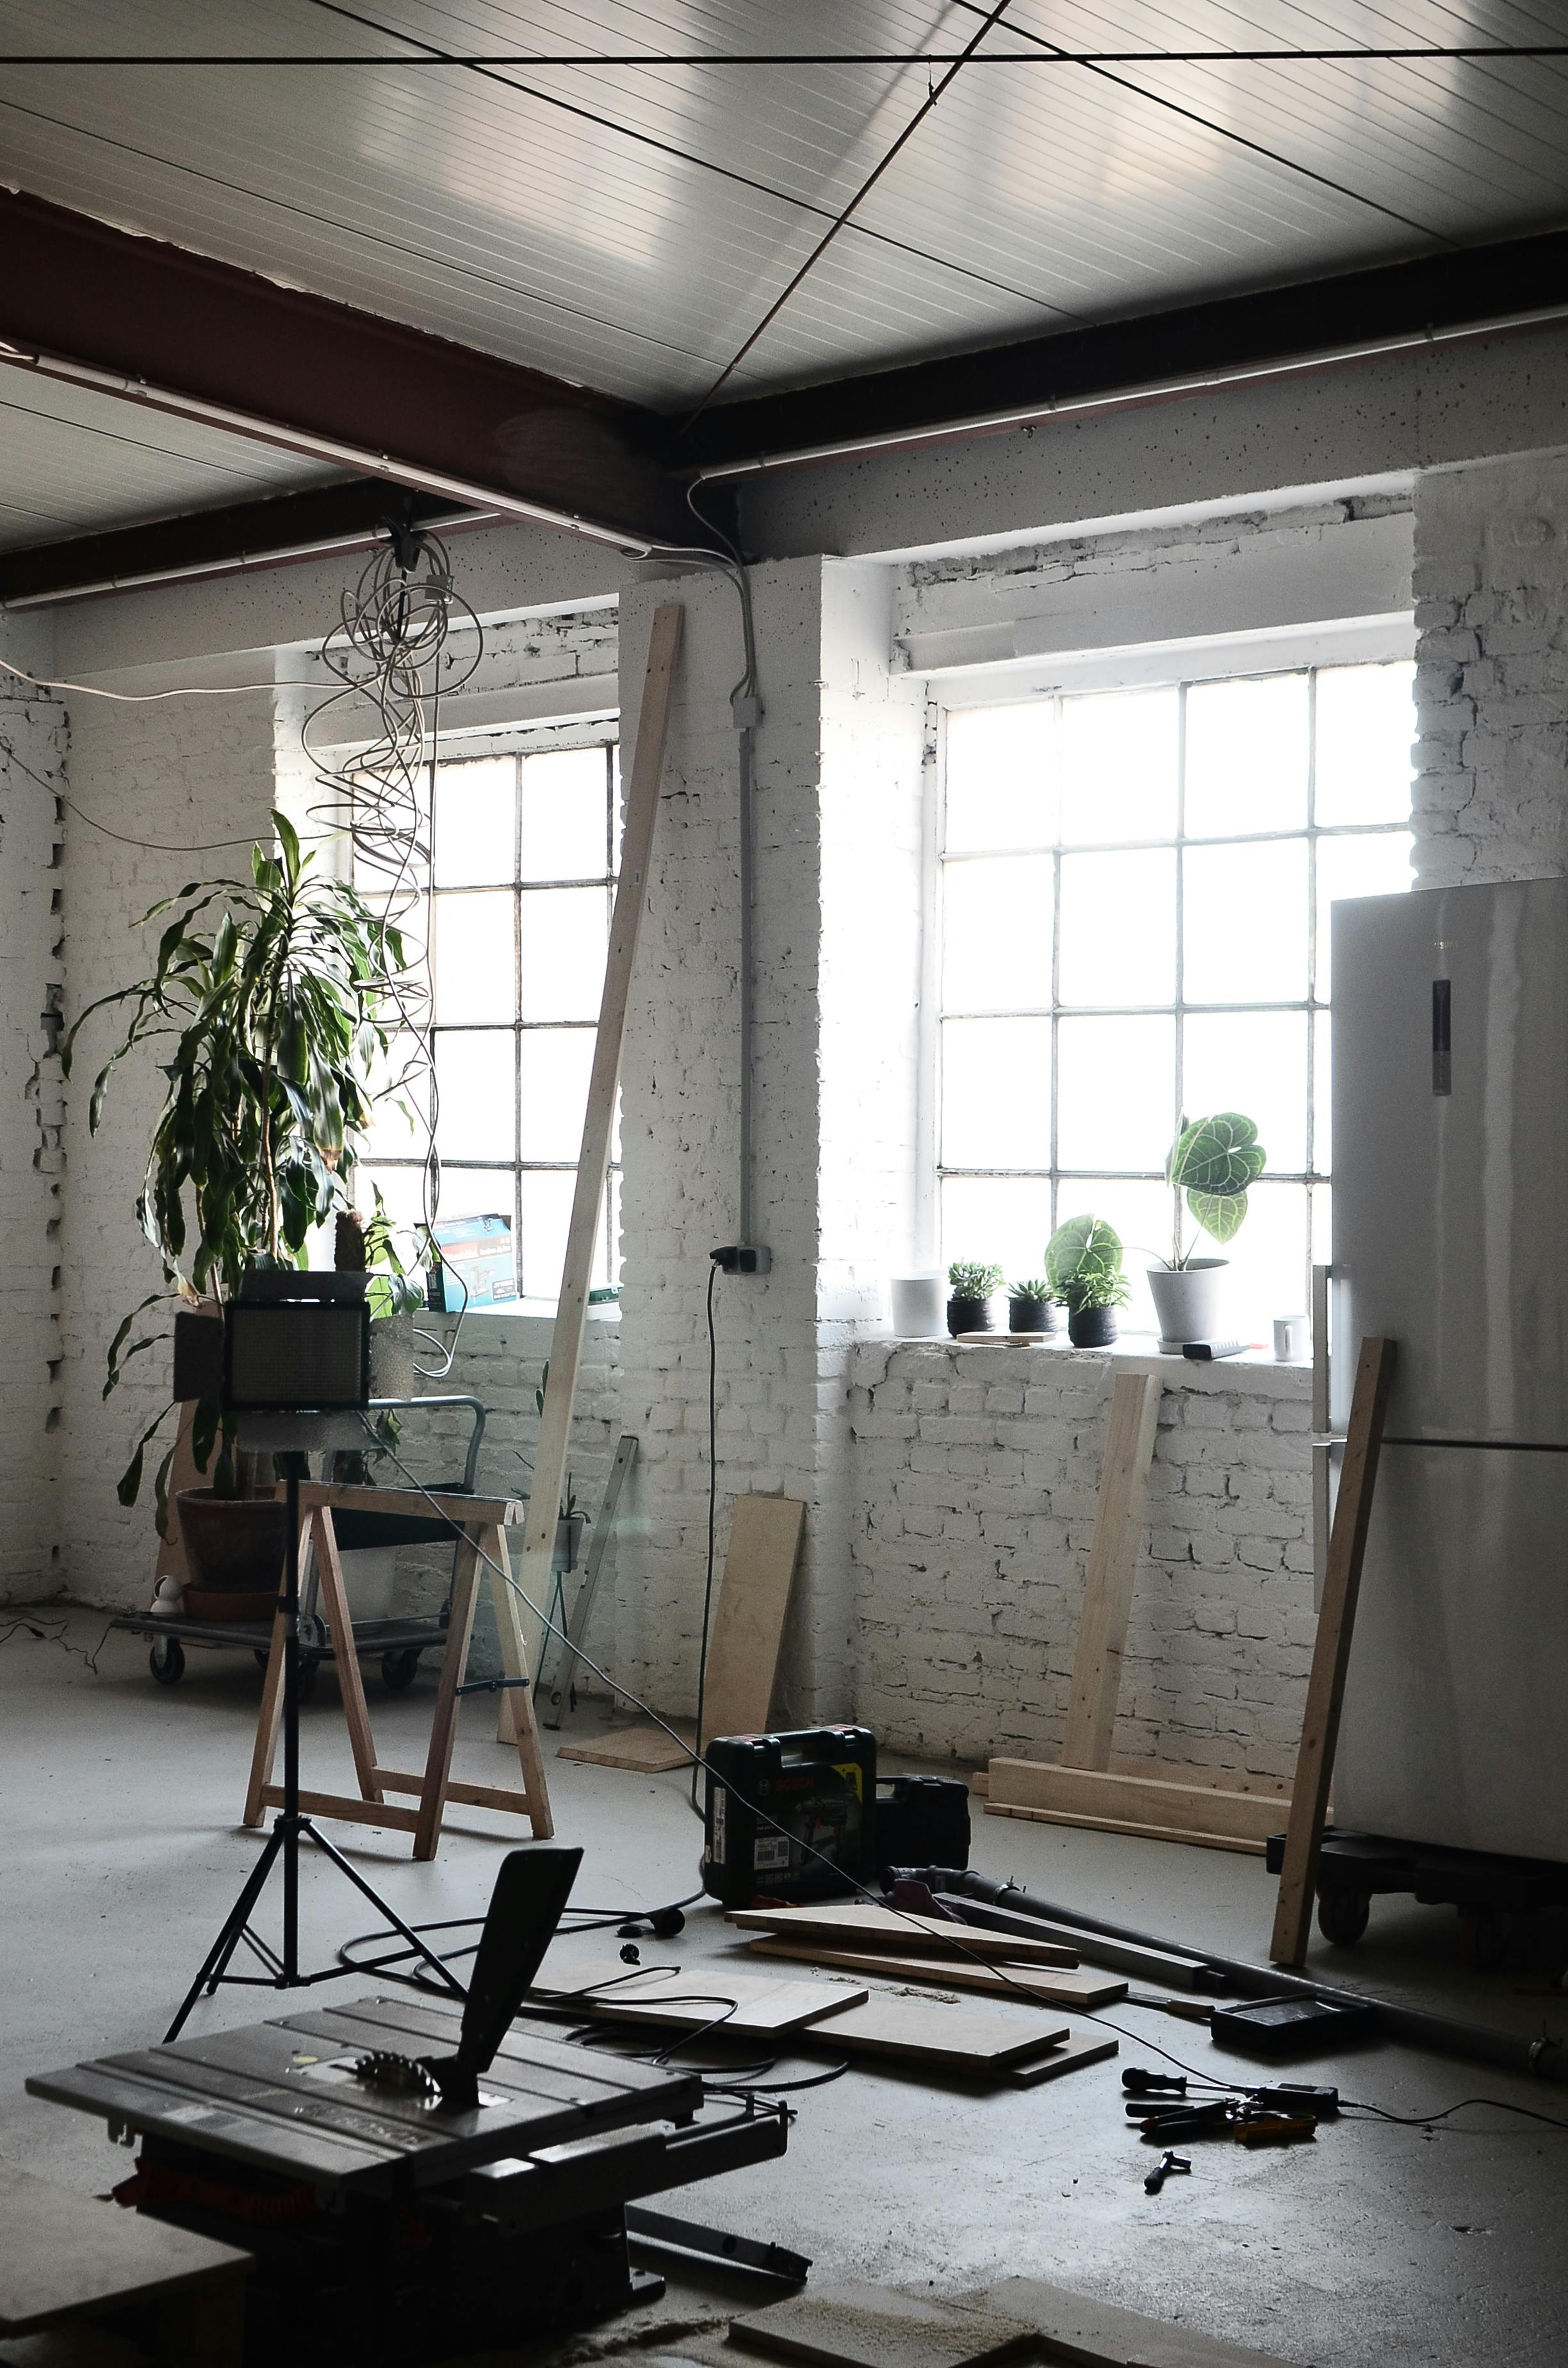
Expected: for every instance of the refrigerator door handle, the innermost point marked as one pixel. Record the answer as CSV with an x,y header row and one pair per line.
x,y
1323,1440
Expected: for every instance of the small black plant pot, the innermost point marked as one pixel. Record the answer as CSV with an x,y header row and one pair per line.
x,y
969,1315
1091,1327
1031,1315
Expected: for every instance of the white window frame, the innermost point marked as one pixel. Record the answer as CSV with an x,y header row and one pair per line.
x,y
1181,665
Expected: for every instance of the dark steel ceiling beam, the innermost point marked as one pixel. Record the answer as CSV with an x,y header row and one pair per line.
x,y
327,518
1353,315
152,323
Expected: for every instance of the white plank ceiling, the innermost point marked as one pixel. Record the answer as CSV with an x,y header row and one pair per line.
x,y
628,225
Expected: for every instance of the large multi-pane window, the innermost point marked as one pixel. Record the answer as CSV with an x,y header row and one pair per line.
x,y
523,854
1134,903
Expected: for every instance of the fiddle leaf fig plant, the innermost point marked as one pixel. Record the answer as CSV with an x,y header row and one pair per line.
x,y
268,1001
1212,1162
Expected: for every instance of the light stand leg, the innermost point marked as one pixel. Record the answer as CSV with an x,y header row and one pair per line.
x,y
215,1962
288,1823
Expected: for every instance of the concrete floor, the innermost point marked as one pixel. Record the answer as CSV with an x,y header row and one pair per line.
x,y
119,1854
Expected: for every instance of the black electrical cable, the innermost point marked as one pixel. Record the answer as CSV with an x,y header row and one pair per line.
x,y
1137,2039
712,1521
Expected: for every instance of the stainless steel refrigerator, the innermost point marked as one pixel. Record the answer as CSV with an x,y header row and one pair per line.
x,y
1451,1235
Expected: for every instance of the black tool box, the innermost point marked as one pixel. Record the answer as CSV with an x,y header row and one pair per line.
x,y
922,1821
785,1803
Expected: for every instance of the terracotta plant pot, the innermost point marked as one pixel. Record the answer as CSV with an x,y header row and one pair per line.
x,y
1091,1327
1031,1314
234,1545
969,1315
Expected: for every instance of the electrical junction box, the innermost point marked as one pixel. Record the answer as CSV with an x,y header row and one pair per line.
x,y
779,1807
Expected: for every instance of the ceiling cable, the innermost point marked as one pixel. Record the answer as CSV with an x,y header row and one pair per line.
x,y
1223,131
932,96
1476,53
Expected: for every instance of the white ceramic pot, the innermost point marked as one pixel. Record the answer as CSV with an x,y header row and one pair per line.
x,y
1189,1301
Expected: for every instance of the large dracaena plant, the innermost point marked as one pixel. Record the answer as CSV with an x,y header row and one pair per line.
x,y
271,1021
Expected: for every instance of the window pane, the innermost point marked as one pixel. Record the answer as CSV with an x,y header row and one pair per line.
x,y
1254,1061
1244,923
555,1062
1246,756
564,815
1366,722
997,934
1375,866
401,1077
999,776
475,958
996,1093
1268,1261
478,1109
1118,928
995,1218
1116,1092
1323,1231
1323,1092
402,1188
474,822
565,935
546,1203
1119,766
1140,1213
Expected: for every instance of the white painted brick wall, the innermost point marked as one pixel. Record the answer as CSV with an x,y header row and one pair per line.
x,y
1492,672
33,742
977,1473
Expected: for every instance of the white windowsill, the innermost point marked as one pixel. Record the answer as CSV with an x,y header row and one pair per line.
x,y
1254,1369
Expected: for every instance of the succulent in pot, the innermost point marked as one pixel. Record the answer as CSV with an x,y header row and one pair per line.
x,y
974,1285
1083,1264
1031,1307
1212,1164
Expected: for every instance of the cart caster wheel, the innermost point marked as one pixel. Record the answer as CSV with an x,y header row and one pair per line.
x,y
167,1661
1342,1916
400,1669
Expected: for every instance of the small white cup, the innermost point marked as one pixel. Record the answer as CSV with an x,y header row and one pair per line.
x,y
919,1305
1290,1339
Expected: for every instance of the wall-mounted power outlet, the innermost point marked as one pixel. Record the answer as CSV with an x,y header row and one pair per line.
x,y
737,1259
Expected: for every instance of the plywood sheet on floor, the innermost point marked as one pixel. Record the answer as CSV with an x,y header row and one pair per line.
x,y
700,1993
860,2326
863,1926
644,1750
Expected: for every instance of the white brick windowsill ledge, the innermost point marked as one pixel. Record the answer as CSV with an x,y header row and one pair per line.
x,y
1054,1360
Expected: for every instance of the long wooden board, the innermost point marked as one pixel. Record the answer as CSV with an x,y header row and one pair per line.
x,y
62,2254
1128,1825
1152,1800
592,1159
699,1994
1044,1985
1330,1650
644,1750
748,1618
857,2326
869,1927
1113,1560
1069,2054
1102,2335
950,2037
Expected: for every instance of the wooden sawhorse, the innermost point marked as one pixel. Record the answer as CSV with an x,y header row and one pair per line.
x,y
481,1522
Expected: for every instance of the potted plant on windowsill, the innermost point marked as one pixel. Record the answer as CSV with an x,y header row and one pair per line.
x,y
266,1027
1083,1264
1212,1162
972,1285
1031,1307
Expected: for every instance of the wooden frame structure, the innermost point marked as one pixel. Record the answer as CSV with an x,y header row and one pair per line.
x,y
1085,1788
482,1523
1330,1650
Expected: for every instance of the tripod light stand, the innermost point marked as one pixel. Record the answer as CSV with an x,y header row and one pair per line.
x,y
294,1350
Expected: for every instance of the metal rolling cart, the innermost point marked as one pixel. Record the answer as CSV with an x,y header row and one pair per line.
x,y
398,1644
